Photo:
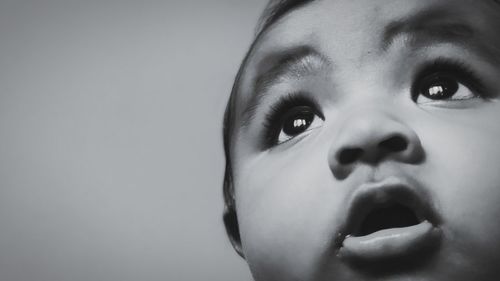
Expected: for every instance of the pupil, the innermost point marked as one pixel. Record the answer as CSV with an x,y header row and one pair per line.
x,y
440,88
298,123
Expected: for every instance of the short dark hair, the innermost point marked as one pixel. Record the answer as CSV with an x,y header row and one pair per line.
x,y
274,10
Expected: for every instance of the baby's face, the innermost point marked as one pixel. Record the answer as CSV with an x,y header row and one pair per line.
x,y
367,143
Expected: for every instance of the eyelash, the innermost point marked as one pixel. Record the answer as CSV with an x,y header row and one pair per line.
x,y
274,119
449,67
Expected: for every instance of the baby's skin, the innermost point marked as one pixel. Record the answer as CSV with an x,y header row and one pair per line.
x,y
366,143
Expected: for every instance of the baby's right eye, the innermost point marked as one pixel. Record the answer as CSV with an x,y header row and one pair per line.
x,y
291,117
297,121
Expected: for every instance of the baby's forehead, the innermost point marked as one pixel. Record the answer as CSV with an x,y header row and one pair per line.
x,y
341,18
345,30
373,26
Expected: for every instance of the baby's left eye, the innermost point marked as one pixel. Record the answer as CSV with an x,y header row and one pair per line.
x,y
442,87
446,81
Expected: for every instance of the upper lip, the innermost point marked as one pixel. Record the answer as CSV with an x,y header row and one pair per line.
x,y
392,190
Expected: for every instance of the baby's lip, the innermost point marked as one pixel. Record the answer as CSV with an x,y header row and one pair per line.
x,y
356,243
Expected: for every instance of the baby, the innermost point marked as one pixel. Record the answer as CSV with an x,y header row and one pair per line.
x,y
362,142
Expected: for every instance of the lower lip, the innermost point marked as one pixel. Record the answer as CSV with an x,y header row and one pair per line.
x,y
390,243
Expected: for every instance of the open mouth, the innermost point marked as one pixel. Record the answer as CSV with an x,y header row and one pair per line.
x,y
388,219
393,215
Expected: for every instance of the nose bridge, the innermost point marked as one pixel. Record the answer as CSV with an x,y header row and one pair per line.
x,y
370,135
368,124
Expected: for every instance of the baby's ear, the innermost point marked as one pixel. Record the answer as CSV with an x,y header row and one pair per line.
x,y
233,229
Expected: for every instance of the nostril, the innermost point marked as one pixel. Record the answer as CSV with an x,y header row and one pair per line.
x,y
349,155
394,144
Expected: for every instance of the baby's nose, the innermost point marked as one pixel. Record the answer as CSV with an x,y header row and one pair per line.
x,y
372,137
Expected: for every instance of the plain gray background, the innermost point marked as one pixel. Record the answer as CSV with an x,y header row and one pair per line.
x,y
111,157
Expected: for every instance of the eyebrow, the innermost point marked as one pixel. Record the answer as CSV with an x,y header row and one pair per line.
x,y
439,25
294,63
431,25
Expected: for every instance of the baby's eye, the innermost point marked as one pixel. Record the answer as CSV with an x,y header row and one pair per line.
x,y
442,87
291,116
297,121
445,81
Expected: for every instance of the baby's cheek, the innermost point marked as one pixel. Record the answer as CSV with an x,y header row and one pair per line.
x,y
286,210
269,222
463,172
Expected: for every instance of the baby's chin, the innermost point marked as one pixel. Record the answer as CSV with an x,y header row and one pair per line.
x,y
444,267
456,258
